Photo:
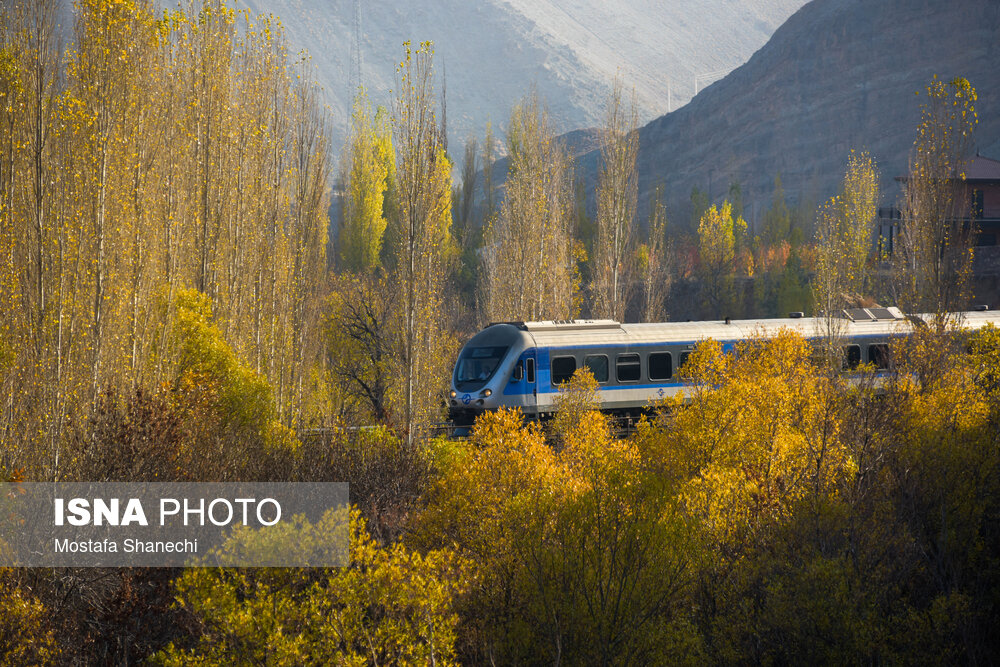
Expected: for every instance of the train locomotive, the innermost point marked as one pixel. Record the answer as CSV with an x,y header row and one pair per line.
x,y
523,364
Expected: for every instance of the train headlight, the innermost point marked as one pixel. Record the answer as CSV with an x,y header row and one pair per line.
x,y
488,393
453,393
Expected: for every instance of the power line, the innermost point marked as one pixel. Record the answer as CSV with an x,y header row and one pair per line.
x,y
709,76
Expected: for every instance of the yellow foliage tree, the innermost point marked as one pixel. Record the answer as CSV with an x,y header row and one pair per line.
x,y
163,152
527,258
391,605
759,437
424,246
366,170
580,554
25,635
717,237
844,240
933,255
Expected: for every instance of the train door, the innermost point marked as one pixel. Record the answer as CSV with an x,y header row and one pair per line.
x,y
531,378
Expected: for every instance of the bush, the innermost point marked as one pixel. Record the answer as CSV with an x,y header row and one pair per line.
x,y
390,606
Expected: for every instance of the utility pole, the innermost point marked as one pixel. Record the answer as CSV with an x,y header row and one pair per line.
x,y
444,109
357,45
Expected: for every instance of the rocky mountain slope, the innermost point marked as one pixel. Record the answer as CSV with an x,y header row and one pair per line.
x,y
492,51
839,74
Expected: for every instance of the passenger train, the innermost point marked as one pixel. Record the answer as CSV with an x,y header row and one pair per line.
x,y
522,364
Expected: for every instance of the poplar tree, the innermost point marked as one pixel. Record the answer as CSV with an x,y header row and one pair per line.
x,y
309,230
933,256
423,174
489,159
470,171
616,199
844,236
777,224
528,269
38,32
366,168
162,152
717,234
653,264
110,41
14,327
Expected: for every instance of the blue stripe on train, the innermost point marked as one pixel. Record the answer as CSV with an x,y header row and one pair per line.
x,y
543,373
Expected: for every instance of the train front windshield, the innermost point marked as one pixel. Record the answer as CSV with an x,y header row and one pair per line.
x,y
476,366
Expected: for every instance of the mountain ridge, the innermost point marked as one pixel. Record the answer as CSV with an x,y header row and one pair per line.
x,y
838,75
493,51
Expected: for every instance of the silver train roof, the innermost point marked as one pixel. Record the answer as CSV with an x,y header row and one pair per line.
x,y
855,322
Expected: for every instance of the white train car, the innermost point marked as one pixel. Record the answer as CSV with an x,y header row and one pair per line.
x,y
523,364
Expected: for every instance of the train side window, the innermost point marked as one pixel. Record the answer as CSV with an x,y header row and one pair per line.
x,y
518,373
852,357
628,367
661,366
598,365
530,370
878,354
562,369
684,359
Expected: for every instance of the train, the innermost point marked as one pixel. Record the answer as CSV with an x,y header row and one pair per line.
x,y
523,364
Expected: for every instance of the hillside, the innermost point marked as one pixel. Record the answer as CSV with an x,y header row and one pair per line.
x,y
839,74
493,51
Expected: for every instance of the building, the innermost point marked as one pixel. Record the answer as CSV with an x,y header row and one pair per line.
x,y
981,191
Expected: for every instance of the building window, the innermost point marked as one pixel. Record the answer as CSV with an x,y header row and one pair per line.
x,y
976,211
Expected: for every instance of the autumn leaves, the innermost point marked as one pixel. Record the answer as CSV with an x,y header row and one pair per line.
x,y
161,152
